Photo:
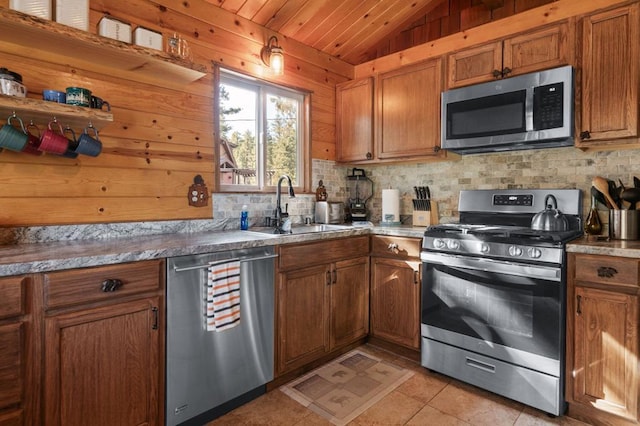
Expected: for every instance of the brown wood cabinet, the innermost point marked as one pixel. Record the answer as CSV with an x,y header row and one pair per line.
x,y
610,76
104,357
603,380
395,290
409,111
354,120
536,50
322,302
18,389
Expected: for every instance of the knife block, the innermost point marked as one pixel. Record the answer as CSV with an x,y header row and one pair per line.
x,y
426,217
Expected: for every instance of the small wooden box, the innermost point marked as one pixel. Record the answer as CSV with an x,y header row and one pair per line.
x,y
426,217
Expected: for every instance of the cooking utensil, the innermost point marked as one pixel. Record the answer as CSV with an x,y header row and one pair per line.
x,y
602,185
598,196
632,195
550,219
614,192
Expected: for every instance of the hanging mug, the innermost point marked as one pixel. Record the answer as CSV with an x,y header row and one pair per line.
x,y
33,141
11,137
89,145
52,142
73,143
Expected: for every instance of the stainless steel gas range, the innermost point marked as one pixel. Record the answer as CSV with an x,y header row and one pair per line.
x,y
494,295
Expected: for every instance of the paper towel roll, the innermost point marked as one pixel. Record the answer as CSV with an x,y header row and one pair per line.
x,y
390,205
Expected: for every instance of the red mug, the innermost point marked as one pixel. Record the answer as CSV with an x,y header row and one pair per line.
x,y
52,142
33,141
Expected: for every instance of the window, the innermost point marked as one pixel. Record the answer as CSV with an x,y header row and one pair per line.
x,y
263,134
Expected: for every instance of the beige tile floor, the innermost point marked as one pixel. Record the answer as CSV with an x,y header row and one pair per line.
x,y
425,399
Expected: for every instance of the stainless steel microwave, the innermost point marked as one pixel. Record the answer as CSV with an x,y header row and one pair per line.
x,y
524,112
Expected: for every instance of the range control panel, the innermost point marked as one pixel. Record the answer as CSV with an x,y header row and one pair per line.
x,y
513,200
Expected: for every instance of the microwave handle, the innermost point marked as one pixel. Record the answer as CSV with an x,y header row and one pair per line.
x,y
528,110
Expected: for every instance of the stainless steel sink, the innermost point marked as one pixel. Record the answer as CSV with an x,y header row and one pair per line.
x,y
302,229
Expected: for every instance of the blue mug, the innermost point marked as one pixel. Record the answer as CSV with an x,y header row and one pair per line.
x,y
54,96
89,145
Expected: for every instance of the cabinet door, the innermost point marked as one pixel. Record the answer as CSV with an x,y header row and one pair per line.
x,y
103,365
354,120
303,316
538,50
349,301
605,365
474,65
409,111
610,75
395,301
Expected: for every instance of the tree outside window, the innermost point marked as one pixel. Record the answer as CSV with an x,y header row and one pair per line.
x,y
261,134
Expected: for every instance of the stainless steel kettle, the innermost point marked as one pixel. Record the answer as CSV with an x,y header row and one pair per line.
x,y
550,219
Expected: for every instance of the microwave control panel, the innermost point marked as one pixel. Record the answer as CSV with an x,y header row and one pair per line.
x,y
548,106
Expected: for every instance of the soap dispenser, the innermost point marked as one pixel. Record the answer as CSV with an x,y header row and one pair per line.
x,y
244,218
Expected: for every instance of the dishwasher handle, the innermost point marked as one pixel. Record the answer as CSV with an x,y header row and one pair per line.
x,y
241,259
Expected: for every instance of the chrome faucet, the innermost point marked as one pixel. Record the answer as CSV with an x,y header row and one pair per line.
x,y
278,213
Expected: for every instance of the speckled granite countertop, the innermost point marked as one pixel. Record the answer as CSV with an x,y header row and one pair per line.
x,y
42,257
621,248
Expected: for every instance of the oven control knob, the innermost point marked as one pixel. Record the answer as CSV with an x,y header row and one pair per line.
x,y
515,251
484,248
535,253
439,244
453,244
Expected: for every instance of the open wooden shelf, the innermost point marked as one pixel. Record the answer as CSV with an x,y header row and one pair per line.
x,y
24,34
42,112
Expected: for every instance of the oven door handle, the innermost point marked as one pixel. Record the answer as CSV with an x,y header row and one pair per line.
x,y
548,273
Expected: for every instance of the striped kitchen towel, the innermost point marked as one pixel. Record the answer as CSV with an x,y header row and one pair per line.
x,y
223,295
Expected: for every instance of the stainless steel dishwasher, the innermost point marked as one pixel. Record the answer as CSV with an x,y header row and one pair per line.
x,y
209,373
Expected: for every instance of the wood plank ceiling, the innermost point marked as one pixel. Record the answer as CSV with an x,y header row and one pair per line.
x,y
347,29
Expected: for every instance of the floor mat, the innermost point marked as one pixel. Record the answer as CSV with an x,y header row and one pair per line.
x,y
343,389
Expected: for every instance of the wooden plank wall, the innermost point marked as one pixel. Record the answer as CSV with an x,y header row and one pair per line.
x,y
451,16
161,137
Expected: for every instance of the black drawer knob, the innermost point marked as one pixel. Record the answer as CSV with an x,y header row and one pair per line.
x,y
111,285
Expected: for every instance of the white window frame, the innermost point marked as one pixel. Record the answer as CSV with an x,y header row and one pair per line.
x,y
262,88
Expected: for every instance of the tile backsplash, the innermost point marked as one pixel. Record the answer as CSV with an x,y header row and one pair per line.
x,y
545,168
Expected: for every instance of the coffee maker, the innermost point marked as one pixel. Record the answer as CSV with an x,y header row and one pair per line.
x,y
360,191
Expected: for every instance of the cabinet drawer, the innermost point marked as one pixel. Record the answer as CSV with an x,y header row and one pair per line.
x,y
396,247
11,296
86,285
322,252
607,270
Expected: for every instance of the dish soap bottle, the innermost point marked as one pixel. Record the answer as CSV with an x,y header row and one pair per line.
x,y
244,218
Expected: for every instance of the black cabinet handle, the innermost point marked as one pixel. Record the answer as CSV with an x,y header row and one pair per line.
x,y
579,305
335,276
110,285
607,272
328,276
496,73
154,311
585,135
506,71
369,156
416,277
